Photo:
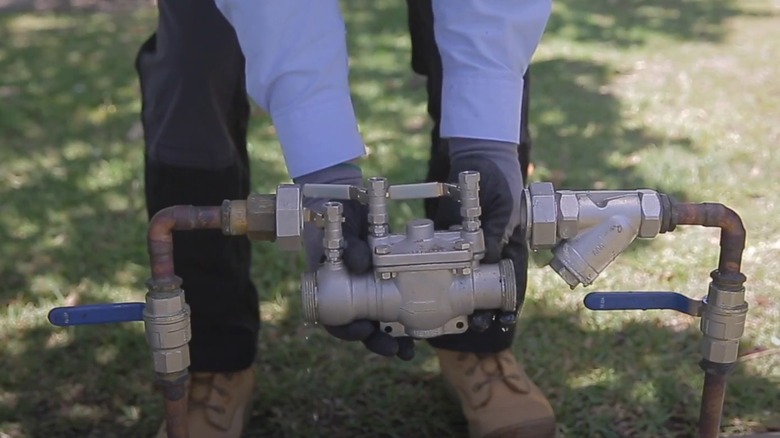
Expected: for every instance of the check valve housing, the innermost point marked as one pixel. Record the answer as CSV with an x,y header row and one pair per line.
x,y
425,282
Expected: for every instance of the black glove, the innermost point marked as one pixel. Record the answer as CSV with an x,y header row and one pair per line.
x,y
357,259
501,186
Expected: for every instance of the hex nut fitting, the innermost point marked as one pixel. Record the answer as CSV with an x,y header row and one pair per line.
x,y
469,180
719,351
569,213
289,217
171,361
650,204
544,221
261,217
234,218
469,195
377,193
332,237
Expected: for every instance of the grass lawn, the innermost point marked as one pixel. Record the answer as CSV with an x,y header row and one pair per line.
x,y
680,96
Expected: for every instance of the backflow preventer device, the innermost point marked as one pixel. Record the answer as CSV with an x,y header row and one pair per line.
x,y
426,282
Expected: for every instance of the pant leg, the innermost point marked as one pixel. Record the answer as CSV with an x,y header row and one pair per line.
x,y
195,114
426,61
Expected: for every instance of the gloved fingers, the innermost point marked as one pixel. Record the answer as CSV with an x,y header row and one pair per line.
x,y
507,319
493,249
405,348
480,320
357,255
358,330
382,344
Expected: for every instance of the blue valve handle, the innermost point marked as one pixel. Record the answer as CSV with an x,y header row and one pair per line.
x,y
642,301
96,314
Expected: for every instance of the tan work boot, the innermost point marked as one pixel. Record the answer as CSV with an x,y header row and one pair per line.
x,y
219,404
497,397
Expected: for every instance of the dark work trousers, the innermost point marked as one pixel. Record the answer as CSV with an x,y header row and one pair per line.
x,y
195,114
427,62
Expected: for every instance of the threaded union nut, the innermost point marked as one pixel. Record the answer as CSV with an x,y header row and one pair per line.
x,y
309,296
509,291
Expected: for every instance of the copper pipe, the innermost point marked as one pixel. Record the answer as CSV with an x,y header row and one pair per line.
x,y
160,247
732,234
174,388
160,235
727,277
712,397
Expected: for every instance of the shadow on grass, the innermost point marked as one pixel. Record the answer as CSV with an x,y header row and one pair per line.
x,y
633,22
638,380
71,204
578,127
71,149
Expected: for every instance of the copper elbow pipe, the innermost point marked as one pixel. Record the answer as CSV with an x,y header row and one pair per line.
x,y
160,247
732,234
160,235
727,276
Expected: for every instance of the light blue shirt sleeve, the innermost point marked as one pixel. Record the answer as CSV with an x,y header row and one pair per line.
x,y
297,71
486,47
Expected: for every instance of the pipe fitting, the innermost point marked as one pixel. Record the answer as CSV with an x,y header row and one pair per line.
x,y
167,324
587,230
470,210
332,238
422,303
652,214
377,210
722,322
289,217
425,282
543,218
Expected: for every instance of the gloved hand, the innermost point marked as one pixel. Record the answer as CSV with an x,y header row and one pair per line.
x,y
357,258
501,186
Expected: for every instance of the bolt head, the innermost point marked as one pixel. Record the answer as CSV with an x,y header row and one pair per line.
x,y
382,250
471,212
386,276
378,230
462,245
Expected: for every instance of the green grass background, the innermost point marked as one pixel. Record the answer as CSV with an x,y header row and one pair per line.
x,y
679,96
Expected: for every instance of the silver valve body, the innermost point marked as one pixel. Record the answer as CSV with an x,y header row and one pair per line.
x,y
167,321
587,230
425,283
